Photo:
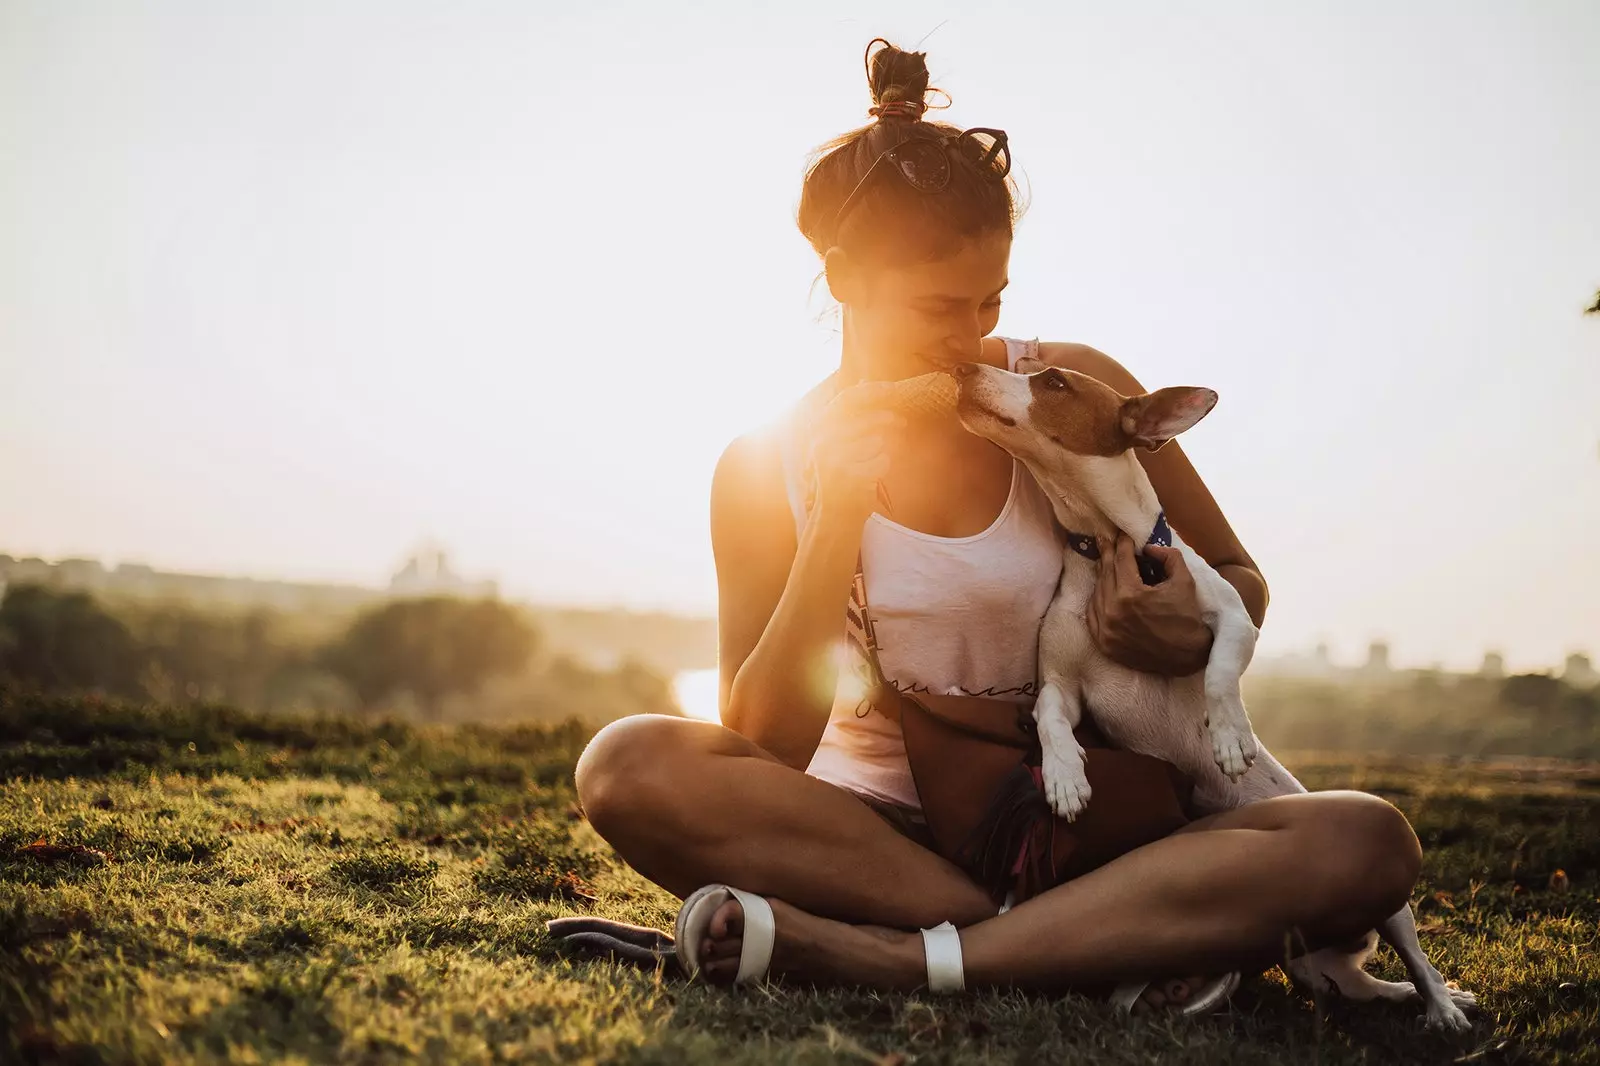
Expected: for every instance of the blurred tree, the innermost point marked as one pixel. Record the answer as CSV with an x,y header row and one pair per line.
x,y
64,642
433,648
195,654
1531,691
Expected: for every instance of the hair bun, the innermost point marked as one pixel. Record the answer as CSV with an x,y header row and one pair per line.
x,y
898,81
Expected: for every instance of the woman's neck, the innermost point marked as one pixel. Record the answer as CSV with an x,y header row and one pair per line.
x,y
854,358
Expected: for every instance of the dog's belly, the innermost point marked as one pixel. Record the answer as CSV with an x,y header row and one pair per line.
x,y
1148,713
1165,717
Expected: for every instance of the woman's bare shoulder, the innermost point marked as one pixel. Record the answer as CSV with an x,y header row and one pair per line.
x,y
751,464
751,458
749,492
757,457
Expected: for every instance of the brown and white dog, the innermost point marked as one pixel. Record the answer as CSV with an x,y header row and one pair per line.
x,y
1076,435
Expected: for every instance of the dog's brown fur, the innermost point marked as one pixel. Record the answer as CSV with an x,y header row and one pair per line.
x,y
1088,417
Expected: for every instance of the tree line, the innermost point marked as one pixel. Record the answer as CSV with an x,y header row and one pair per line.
x,y
1427,713
431,655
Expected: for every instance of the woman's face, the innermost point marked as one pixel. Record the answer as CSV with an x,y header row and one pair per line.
x,y
928,316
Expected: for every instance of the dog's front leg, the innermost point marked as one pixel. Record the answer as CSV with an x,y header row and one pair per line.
x,y
1233,741
1444,1004
1064,648
1057,712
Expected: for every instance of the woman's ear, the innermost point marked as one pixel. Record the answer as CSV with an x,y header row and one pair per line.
x,y
843,274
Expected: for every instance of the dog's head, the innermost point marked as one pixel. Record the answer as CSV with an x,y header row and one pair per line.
x,y
1046,414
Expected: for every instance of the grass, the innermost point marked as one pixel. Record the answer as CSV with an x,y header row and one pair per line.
x,y
215,886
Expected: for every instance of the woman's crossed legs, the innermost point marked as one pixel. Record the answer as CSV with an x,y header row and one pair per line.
x,y
688,803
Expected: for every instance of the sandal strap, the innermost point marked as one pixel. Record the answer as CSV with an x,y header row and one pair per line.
x,y
941,948
1125,996
760,931
1214,995
1211,995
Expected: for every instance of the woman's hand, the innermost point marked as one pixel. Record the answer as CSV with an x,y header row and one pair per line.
x,y
1156,629
850,453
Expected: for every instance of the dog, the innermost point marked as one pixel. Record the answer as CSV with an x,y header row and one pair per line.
x,y
1077,437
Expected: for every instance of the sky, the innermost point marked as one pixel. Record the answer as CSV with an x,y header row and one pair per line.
x,y
286,288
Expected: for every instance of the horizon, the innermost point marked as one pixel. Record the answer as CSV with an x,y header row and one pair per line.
x,y
260,325
1337,659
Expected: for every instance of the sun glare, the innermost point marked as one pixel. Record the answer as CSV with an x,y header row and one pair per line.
x,y
696,693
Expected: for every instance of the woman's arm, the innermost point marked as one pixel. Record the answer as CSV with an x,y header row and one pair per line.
x,y
781,603
1192,512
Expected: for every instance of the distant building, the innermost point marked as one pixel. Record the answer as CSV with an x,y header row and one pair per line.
x,y
85,574
428,573
32,571
1377,658
1579,671
1494,665
1316,663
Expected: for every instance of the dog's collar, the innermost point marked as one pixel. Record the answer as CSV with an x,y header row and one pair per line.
x,y
1150,570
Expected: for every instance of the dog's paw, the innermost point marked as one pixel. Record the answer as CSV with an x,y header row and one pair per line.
x,y
1446,1016
1394,991
1235,749
1066,786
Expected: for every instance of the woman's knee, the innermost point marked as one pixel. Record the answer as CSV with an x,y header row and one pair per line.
x,y
1370,856
625,768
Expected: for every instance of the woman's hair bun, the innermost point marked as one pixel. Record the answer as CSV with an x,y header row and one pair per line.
x,y
894,221
896,77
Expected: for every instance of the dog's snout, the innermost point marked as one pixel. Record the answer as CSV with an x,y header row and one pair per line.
x,y
964,370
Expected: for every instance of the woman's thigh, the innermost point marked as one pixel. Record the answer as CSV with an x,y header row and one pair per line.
x,y
1352,853
1359,817
687,803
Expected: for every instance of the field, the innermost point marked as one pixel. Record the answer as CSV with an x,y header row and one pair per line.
x,y
203,885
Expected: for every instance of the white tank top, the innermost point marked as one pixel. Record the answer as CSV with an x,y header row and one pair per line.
x,y
952,615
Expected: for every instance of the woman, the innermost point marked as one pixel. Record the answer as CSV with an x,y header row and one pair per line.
x,y
796,798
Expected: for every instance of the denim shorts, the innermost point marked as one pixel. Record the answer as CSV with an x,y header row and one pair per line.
x,y
907,821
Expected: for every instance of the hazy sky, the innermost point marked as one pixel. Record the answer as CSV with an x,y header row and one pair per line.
x,y
285,287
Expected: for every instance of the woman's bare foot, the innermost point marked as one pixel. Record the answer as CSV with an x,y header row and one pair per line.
x,y
829,952
816,949
1173,992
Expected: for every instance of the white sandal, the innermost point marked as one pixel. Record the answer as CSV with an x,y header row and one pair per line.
x,y
941,945
694,919
941,952
1212,994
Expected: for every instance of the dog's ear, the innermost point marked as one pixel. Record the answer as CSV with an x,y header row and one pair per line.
x,y
1156,417
1030,365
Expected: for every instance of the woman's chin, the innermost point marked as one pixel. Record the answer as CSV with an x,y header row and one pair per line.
x,y
936,364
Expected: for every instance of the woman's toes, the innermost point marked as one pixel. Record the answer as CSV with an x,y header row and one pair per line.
x,y
1173,992
728,921
720,950
1184,989
723,949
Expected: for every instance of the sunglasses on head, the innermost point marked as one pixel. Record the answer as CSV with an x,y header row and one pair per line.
x,y
924,163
